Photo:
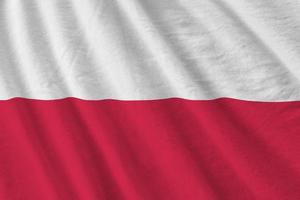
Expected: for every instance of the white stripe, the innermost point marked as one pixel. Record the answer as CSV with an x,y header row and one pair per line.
x,y
150,49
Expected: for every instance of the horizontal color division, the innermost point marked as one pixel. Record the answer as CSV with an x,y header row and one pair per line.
x,y
160,149
149,100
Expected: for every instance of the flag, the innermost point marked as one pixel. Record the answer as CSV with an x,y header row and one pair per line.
x,y
149,99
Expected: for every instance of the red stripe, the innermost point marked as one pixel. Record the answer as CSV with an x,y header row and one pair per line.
x,y
161,149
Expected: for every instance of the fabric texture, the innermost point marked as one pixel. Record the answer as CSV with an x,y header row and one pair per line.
x,y
149,99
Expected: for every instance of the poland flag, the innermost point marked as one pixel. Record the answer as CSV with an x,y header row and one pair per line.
x,y
149,99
